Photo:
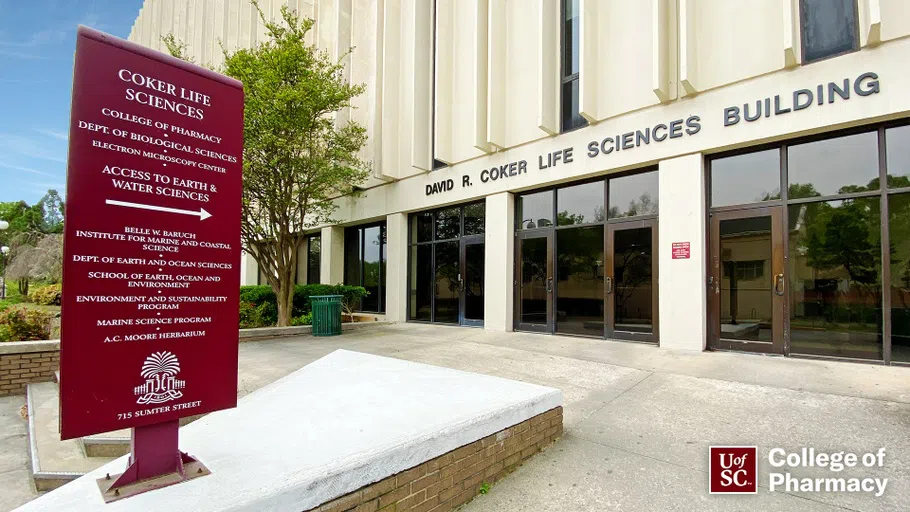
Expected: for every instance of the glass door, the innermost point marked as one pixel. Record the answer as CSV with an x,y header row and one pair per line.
x,y
746,283
534,300
631,281
471,281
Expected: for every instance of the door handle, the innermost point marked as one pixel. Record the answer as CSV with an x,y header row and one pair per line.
x,y
609,285
549,284
779,284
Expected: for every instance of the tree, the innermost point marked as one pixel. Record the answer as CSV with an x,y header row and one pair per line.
x,y
296,157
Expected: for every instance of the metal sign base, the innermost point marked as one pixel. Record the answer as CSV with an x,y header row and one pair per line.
x,y
155,462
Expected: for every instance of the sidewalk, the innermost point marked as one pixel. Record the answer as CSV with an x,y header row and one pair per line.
x,y
638,419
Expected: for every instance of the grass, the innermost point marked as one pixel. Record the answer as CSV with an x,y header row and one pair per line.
x,y
14,298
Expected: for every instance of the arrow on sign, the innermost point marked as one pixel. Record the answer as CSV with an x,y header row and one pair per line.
x,y
202,214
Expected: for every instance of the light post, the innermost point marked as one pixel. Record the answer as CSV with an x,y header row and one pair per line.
x,y
3,252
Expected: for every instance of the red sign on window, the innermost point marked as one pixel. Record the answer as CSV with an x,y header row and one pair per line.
x,y
152,243
680,251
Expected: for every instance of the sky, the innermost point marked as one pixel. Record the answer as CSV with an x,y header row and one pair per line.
x,y
37,41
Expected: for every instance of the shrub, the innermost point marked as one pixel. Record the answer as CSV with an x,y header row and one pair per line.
x,y
252,316
306,319
5,333
26,323
259,295
47,295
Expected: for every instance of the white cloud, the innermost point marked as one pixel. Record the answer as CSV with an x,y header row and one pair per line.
x,y
53,133
27,169
24,146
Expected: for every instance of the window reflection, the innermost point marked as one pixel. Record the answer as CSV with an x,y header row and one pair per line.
x,y
897,142
535,210
835,278
447,223
833,166
634,195
899,216
581,204
746,178
580,280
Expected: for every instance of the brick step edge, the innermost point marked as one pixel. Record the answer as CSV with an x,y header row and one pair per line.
x,y
455,478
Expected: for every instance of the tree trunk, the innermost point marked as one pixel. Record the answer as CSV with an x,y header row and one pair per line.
x,y
285,296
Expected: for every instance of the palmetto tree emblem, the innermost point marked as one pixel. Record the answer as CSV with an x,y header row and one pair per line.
x,y
161,384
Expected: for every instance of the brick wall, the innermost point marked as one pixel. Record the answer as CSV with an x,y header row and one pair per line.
x,y
25,362
455,478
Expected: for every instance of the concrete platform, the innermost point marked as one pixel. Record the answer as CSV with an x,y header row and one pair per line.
x,y
340,423
54,462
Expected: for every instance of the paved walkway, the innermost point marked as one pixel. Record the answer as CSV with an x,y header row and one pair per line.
x,y
638,419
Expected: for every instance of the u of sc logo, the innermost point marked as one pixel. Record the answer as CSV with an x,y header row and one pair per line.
x,y
733,470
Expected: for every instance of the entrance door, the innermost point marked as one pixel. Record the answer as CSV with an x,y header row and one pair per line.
x,y
746,291
631,280
534,293
471,281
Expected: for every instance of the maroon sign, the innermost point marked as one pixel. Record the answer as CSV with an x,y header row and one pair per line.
x,y
732,470
680,251
152,245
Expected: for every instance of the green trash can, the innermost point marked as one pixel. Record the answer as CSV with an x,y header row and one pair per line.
x,y
326,315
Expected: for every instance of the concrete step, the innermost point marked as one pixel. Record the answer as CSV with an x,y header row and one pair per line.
x,y
56,462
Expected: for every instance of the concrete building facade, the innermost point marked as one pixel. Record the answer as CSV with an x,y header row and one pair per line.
x,y
691,173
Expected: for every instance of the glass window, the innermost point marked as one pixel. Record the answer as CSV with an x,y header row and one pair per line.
x,y
474,219
581,204
633,195
421,280
313,261
633,257
571,104
447,223
580,275
746,178
352,256
899,212
364,264
828,28
371,261
446,282
535,210
570,32
897,142
422,227
570,57
835,279
833,166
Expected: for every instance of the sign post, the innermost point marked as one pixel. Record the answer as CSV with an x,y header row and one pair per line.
x,y
151,253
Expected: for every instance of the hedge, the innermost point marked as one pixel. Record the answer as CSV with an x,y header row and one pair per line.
x,y
263,295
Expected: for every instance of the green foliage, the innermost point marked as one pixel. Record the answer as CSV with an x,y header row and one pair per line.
x,y
253,316
6,333
298,155
47,295
305,319
484,488
263,296
26,323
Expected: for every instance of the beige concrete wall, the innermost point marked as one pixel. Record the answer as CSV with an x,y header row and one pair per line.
x,y
496,91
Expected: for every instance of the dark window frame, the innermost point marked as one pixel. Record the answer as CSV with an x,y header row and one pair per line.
x,y
309,252
802,35
884,194
412,242
565,77
360,229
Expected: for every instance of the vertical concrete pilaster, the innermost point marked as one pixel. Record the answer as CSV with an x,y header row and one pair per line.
x,y
396,278
499,261
331,268
249,270
682,301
